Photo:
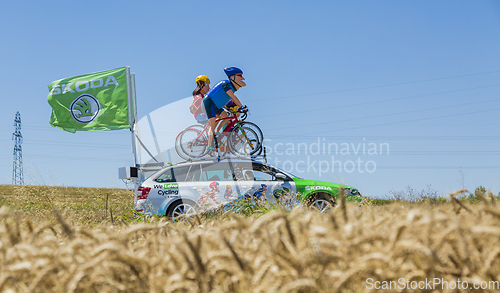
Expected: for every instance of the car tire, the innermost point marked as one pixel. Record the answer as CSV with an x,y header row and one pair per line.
x,y
181,207
322,202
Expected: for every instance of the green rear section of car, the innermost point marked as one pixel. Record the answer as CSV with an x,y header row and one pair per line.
x,y
309,188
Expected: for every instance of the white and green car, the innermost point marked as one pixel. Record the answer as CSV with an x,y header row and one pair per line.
x,y
187,187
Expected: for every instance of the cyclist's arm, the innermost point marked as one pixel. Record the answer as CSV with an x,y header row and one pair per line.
x,y
234,98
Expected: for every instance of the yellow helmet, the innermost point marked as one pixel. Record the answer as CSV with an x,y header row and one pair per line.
x,y
203,78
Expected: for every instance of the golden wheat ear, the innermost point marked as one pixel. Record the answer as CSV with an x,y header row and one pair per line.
x,y
66,228
482,196
453,194
492,197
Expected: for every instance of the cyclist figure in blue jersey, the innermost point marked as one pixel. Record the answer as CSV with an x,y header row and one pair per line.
x,y
219,96
260,194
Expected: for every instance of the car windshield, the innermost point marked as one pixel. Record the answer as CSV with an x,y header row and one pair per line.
x,y
277,170
271,170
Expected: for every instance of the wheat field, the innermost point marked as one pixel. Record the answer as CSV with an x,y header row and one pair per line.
x,y
80,206
281,251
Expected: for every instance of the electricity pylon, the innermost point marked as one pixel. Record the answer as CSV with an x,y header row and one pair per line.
x,y
17,172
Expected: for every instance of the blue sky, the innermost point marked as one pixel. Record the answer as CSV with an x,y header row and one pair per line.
x,y
421,77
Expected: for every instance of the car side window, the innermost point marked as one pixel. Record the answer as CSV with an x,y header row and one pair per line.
x,y
262,176
242,171
194,173
175,174
263,173
216,172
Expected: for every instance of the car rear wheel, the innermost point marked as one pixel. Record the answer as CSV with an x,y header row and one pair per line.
x,y
322,203
182,210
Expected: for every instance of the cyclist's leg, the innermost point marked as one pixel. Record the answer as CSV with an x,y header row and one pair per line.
x,y
211,127
223,135
222,122
212,112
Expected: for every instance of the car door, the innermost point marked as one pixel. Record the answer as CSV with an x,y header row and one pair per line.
x,y
279,186
212,183
264,174
169,185
286,189
243,174
255,177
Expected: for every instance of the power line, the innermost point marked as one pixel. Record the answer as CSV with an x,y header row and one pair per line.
x,y
397,122
76,144
44,128
380,86
380,101
81,158
438,167
391,114
294,152
368,138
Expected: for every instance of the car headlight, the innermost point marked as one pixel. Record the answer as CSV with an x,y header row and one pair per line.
x,y
352,191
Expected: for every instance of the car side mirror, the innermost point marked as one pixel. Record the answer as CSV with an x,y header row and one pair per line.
x,y
280,176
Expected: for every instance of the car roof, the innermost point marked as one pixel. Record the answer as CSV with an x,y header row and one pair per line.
x,y
206,162
222,160
212,161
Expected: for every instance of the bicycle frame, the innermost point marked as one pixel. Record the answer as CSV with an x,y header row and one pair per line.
x,y
235,124
234,120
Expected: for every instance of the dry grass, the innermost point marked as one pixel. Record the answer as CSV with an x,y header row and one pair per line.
x,y
297,251
80,206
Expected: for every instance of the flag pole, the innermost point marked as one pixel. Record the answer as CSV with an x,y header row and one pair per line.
x,y
132,115
134,120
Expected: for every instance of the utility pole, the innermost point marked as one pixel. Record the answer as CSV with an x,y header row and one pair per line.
x,y
17,172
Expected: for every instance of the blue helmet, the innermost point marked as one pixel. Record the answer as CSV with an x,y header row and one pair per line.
x,y
232,71
263,185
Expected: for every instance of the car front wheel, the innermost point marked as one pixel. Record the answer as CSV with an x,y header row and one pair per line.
x,y
322,203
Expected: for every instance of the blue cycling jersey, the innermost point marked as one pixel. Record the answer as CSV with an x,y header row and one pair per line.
x,y
219,95
259,193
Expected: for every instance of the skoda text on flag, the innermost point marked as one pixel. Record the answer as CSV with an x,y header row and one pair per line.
x,y
91,102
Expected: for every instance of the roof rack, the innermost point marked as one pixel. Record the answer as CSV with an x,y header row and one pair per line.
x,y
253,157
159,165
153,167
148,165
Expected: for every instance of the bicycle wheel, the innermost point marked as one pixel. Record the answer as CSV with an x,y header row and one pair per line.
x,y
256,129
243,141
178,148
196,126
192,146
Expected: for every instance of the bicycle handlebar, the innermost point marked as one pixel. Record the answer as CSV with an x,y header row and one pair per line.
x,y
243,110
